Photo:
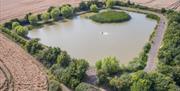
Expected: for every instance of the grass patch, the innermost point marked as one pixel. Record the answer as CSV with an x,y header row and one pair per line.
x,y
153,16
110,17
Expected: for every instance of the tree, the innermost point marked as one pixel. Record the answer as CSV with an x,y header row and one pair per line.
x,y
121,83
86,87
54,86
83,6
67,11
45,16
21,30
55,12
161,82
63,59
109,3
94,8
109,65
33,19
15,24
50,55
33,46
116,83
141,85
74,73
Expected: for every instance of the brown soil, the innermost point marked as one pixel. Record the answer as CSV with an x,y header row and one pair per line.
x,y
168,4
10,9
26,73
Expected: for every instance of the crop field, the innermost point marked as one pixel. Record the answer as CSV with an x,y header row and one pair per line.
x,y
10,9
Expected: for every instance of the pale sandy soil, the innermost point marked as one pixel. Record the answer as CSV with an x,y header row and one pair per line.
x,y
169,4
10,9
27,73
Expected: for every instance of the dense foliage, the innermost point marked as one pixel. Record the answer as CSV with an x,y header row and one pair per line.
x,y
15,24
45,16
67,11
94,8
21,30
153,16
72,74
142,81
83,6
55,13
110,17
109,3
86,87
33,19
169,53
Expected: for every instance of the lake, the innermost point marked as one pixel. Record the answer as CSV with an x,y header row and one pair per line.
x,y
83,38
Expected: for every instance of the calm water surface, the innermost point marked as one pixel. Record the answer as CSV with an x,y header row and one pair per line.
x,y
83,38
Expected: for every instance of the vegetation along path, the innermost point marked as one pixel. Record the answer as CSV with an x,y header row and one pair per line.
x,y
159,32
19,71
151,63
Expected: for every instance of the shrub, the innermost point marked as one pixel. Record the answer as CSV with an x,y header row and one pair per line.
x,y
94,8
45,16
83,6
33,19
74,73
63,59
54,85
67,11
33,46
163,10
21,30
109,65
109,3
15,24
110,17
86,87
153,16
55,12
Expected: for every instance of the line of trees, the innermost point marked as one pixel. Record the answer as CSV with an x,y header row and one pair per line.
x,y
71,72
169,53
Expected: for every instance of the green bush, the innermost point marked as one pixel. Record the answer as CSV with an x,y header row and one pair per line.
x,y
108,64
33,19
153,16
86,87
67,11
33,46
63,59
45,16
15,24
21,30
110,17
54,86
109,3
83,6
94,8
72,75
55,13
169,53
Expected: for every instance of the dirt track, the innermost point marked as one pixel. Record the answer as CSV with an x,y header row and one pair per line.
x,y
25,73
10,9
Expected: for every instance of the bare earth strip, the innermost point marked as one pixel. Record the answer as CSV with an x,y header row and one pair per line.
x,y
26,72
10,9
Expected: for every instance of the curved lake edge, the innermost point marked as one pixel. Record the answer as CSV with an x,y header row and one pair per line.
x,y
81,13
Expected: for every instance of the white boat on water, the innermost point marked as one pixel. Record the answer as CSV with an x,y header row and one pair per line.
x,y
104,33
